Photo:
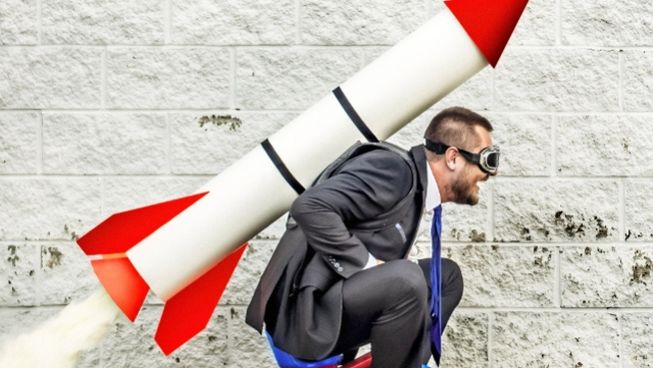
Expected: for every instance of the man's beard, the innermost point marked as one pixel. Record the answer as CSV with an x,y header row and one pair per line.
x,y
463,190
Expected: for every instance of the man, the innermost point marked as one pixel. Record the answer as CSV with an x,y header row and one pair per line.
x,y
339,277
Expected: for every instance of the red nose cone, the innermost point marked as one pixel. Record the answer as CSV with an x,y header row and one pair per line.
x,y
489,23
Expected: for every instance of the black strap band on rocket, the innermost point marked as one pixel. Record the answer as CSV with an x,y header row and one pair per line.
x,y
283,169
353,115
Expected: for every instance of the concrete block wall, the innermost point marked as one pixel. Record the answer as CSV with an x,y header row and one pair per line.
x,y
109,105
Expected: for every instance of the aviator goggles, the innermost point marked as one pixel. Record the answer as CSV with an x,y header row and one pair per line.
x,y
487,160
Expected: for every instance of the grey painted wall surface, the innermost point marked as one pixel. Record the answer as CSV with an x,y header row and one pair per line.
x,y
109,105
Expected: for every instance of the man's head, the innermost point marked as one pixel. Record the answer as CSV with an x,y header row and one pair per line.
x,y
451,136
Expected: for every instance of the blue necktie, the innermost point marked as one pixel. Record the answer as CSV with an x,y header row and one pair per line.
x,y
436,282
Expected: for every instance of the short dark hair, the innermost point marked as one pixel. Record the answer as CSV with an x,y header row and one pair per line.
x,y
455,126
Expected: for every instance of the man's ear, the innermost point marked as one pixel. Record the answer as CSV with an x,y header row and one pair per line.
x,y
450,157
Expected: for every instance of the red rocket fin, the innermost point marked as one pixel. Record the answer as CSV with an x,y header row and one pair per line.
x,y
121,231
489,23
364,361
123,283
189,311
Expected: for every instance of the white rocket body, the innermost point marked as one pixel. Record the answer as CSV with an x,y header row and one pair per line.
x,y
251,194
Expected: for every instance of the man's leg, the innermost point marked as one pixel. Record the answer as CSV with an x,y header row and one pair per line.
x,y
387,305
452,290
452,285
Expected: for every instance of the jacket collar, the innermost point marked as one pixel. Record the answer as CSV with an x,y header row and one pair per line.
x,y
419,157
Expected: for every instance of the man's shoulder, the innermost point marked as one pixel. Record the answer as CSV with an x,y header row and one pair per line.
x,y
382,158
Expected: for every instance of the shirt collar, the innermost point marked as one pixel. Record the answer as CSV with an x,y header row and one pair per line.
x,y
432,192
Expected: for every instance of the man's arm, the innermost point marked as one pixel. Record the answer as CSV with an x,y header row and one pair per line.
x,y
366,187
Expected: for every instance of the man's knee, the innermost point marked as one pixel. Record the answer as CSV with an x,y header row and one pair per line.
x,y
453,278
407,279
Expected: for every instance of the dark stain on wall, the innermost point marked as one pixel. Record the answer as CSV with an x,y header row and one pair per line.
x,y
73,235
626,146
13,257
570,226
54,257
476,236
628,235
601,229
232,122
544,259
639,235
579,226
641,268
587,251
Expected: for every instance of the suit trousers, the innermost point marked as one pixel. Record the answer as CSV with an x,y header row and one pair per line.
x,y
388,306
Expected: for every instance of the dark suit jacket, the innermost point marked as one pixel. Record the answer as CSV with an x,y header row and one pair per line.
x,y
372,203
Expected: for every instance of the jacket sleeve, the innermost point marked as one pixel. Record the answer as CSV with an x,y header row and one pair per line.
x,y
365,187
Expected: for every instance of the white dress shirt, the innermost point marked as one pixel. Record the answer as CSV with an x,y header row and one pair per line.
x,y
432,191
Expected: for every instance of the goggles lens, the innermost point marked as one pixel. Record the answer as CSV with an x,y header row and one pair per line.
x,y
490,159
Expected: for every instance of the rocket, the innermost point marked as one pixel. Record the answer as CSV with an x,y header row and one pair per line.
x,y
186,249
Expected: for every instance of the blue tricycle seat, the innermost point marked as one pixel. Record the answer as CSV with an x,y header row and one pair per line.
x,y
285,360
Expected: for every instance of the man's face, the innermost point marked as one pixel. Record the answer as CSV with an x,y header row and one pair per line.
x,y
465,186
